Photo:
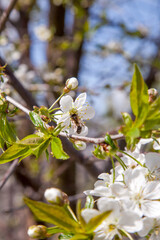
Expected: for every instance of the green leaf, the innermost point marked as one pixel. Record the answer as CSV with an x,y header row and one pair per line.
x,y
154,109
139,97
31,140
96,221
151,124
89,202
99,152
66,236
127,119
57,149
13,152
53,214
37,151
54,230
82,236
47,154
109,141
37,121
6,131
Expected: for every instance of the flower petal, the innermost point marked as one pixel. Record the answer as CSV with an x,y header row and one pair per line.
x,y
151,208
148,224
152,190
66,103
86,112
80,100
63,118
130,221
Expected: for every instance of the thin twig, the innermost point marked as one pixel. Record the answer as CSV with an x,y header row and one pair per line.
x,y
16,84
75,137
8,173
6,14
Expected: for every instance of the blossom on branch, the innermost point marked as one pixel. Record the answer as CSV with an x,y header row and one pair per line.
x,y
73,113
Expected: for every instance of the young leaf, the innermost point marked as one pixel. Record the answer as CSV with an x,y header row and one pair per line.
x,y
139,97
54,230
110,142
41,147
13,152
52,214
57,149
127,119
6,131
32,140
82,237
37,121
96,221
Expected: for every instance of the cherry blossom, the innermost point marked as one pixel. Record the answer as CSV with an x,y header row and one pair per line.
x,y
73,113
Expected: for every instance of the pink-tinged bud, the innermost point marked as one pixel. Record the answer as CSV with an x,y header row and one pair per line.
x,y
72,83
152,94
38,231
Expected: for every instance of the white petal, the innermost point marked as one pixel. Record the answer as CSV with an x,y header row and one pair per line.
x,y
86,112
87,214
134,179
152,161
63,118
80,100
66,103
130,221
106,204
156,145
151,208
119,190
147,226
152,190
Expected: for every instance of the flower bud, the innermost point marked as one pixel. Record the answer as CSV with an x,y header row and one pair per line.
x,y
54,196
80,145
72,83
37,231
152,94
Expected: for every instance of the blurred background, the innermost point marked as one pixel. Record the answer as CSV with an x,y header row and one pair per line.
x,y
44,42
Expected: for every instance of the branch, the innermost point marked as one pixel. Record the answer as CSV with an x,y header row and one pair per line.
x,y
75,137
25,94
8,173
6,14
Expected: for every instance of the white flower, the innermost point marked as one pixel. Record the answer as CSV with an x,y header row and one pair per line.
x,y
153,164
142,197
53,195
72,114
43,33
148,225
72,83
118,220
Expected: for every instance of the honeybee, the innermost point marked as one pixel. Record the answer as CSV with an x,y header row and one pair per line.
x,y
77,123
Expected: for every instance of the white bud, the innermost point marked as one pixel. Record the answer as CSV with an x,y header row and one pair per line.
x,y
79,145
37,231
54,195
72,83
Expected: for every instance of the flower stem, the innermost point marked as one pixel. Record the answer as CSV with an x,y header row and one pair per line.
x,y
131,157
54,110
113,168
56,101
120,161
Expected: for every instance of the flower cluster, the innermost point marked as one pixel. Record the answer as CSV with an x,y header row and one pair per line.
x,y
132,194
